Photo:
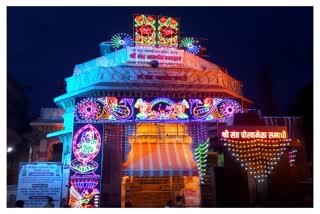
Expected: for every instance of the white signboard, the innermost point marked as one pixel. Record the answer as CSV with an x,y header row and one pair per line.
x,y
164,56
38,181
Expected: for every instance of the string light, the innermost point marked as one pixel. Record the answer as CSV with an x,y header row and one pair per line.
x,y
201,153
259,154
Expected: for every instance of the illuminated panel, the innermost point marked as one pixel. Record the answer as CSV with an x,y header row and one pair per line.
x,y
104,109
144,30
213,109
83,193
86,165
168,32
86,151
161,109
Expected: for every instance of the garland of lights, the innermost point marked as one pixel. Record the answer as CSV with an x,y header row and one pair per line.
x,y
257,156
191,45
121,40
201,154
168,32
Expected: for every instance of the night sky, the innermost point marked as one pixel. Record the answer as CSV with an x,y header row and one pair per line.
x,y
45,43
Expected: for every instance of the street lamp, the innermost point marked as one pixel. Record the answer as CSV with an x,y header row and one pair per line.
x,y
10,149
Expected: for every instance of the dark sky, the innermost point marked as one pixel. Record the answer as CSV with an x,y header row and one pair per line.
x,y
45,43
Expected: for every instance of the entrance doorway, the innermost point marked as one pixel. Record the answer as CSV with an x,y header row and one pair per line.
x,y
156,191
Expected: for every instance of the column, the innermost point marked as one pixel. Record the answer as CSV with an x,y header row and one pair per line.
x,y
66,158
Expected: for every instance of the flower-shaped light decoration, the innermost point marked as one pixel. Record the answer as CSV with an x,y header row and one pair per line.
x,y
88,109
229,107
144,30
168,32
191,45
121,40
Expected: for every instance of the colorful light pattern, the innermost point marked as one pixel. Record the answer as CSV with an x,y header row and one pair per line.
x,y
168,32
257,156
229,107
88,109
121,40
119,110
161,109
191,45
82,192
201,154
109,109
86,145
144,30
103,109
213,109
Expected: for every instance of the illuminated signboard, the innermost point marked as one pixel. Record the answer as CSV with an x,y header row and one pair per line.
x,y
144,30
257,132
164,56
86,160
161,109
103,109
213,109
168,32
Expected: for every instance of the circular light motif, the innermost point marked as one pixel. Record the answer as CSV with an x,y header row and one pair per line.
x,y
191,45
121,40
88,109
229,108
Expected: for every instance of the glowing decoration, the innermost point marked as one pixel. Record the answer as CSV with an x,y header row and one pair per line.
x,y
86,145
85,173
144,30
213,109
104,109
161,109
119,109
191,45
257,153
168,32
121,40
82,192
229,108
254,134
201,154
88,109
292,156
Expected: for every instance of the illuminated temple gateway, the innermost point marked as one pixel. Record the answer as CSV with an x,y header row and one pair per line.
x,y
137,119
